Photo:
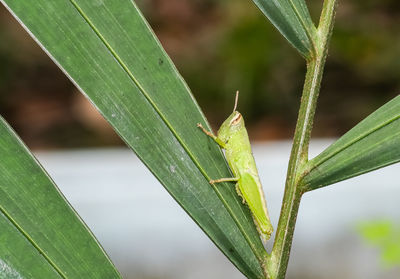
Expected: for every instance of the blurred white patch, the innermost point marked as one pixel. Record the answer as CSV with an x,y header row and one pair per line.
x,y
6,271
148,235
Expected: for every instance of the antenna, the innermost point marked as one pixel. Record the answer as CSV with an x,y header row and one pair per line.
x,y
236,100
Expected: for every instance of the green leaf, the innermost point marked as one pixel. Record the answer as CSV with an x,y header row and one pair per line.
x,y
293,20
372,144
40,234
109,51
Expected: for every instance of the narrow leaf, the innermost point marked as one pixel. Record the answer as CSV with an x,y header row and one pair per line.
x,y
18,257
40,234
109,51
372,144
293,20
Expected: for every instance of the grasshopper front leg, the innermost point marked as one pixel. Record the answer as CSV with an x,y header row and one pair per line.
x,y
222,144
211,135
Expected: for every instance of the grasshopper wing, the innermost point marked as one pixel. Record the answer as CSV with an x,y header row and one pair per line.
x,y
253,194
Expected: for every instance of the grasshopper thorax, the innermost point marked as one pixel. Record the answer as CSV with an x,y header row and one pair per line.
x,y
232,125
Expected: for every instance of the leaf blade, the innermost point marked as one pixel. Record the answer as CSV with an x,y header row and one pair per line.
x,y
293,20
373,143
12,265
127,75
31,205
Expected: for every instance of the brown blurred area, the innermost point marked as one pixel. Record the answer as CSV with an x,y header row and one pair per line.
x,y
219,47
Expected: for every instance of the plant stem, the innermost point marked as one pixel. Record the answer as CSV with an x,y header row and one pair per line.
x,y
278,260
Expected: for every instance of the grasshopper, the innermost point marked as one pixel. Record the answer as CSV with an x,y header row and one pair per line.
x,y
232,136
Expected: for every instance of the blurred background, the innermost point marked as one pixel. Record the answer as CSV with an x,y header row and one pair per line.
x,y
219,47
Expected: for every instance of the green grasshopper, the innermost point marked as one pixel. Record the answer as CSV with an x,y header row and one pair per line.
x,y
232,136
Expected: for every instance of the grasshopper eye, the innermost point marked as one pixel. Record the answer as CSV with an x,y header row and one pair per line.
x,y
236,119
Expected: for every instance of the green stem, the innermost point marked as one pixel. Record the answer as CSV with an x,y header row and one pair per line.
x,y
278,260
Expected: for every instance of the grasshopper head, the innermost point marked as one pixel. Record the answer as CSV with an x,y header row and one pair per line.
x,y
233,124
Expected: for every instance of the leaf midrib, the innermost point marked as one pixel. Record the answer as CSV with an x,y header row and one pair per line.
x,y
167,123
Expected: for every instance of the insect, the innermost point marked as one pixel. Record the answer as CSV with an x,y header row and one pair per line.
x,y
232,136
